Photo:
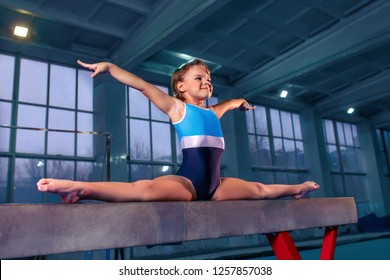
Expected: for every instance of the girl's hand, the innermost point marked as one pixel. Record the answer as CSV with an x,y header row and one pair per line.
x,y
96,68
245,106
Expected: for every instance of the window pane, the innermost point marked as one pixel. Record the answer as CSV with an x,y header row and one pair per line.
x,y
329,132
351,160
29,141
61,119
300,155
62,86
33,81
60,169
343,159
281,177
338,185
355,136
289,147
179,154
85,91
5,113
383,161
275,120
157,114
140,172
250,125
294,178
61,143
297,126
261,121
380,141
264,151
3,179
350,163
5,118
85,121
358,161
84,171
7,68
333,157
138,104
348,134
266,177
253,150
303,177
354,187
279,153
27,173
387,139
139,140
340,133
85,141
287,124
161,142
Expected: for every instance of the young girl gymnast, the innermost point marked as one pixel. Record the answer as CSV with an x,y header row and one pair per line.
x,y
201,139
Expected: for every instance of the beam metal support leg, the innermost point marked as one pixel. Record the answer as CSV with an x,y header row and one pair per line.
x,y
329,243
283,246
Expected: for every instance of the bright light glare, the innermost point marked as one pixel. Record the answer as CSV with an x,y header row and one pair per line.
x,y
283,93
350,110
21,31
165,168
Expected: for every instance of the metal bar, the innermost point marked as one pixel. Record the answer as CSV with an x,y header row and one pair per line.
x,y
55,130
283,246
329,243
108,143
107,134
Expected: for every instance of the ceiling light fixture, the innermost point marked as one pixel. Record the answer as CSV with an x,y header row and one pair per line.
x,y
21,31
283,93
350,110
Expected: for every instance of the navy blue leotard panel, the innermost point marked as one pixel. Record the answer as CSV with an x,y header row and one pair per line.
x,y
202,142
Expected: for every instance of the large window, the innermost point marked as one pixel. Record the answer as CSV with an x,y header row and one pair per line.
x,y
276,145
384,146
48,96
344,157
150,141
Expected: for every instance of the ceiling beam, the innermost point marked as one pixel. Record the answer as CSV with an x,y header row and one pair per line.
x,y
362,30
382,120
369,90
138,7
163,27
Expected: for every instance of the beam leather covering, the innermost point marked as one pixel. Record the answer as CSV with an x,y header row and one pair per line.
x,y
41,229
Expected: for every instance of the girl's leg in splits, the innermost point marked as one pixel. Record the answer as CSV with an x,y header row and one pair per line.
x,y
165,188
234,189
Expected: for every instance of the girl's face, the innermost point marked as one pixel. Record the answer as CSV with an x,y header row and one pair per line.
x,y
196,84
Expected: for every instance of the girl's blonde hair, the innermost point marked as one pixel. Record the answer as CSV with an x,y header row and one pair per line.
x,y
179,73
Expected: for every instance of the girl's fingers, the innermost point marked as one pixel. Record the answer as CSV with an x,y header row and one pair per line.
x,y
91,67
86,65
94,74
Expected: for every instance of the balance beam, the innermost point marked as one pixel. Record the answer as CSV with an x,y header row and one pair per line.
x,y
40,229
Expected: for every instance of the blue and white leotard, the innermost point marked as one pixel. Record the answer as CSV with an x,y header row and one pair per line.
x,y
202,143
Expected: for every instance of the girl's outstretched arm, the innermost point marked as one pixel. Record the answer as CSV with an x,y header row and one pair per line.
x,y
221,108
169,105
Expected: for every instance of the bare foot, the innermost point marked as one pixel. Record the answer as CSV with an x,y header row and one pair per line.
x,y
66,189
307,186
